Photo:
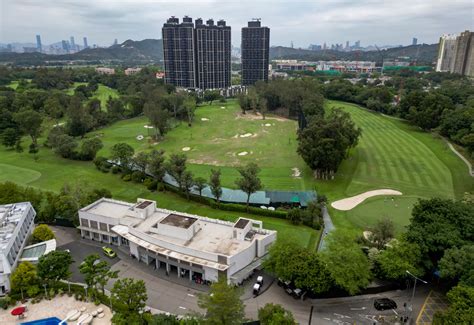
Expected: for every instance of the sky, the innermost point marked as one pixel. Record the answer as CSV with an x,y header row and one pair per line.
x,y
378,22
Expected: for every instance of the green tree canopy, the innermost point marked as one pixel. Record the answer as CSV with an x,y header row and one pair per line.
x,y
215,184
458,264
346,262
123,153
249,182
129,298
24,278
42,233
222,304
395,260
55,266
176,168
461,308
96,272
272,314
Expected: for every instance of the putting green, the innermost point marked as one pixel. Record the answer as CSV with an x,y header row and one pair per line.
x,y
17,174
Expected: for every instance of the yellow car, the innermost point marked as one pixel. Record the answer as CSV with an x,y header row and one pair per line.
x,y
109,252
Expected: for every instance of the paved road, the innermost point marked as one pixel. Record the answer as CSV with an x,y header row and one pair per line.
x,y
467,162
328,227
179,296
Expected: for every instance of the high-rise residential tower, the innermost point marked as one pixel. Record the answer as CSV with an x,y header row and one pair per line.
x,y
85,42
414,41
446,53
255,52
197,55
39,46
464,61
72,44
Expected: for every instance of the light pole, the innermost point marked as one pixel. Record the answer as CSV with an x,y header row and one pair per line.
x,y
414,288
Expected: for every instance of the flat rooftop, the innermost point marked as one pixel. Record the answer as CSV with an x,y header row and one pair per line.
x,y
211,235
10,216
178,221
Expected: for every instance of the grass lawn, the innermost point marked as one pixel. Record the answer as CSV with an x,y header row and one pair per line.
x,y
102,93
271,143
393,154
50,172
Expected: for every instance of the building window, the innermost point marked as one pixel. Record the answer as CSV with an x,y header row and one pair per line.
x,y
105,238
94,224
87,233
124,241
96,236
84,222
114,240
103,226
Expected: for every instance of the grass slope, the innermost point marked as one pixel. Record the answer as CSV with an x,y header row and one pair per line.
x,y
393,154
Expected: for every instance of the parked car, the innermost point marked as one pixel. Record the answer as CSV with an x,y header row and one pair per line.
x,y
297,293
384,304
109,252
256,289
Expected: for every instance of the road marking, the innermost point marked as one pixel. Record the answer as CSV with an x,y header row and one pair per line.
x,y
423,307
341,316
182,307
361,308
190,295
327,318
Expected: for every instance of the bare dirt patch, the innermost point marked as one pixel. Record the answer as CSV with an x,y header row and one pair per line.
x,y
258,116
353,201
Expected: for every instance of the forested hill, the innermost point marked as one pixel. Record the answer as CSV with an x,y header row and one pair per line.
x,y
128,51
151,50
423,53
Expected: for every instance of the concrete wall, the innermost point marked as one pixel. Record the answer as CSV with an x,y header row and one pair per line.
x,y
211,274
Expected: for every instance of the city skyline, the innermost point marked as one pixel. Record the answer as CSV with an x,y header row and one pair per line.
x,y
302,23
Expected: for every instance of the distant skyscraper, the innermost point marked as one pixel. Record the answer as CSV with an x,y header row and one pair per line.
x,y
115,41
347,45
72,44
357,44
85,42
39,47
414,41
255,53
197,55
65,46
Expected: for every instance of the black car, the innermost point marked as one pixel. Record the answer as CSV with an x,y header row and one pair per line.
x,y
384,304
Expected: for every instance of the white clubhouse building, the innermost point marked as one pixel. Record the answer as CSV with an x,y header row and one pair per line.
x,y
182,244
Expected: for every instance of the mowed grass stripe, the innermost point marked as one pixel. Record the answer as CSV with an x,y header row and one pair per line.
x,y
391,156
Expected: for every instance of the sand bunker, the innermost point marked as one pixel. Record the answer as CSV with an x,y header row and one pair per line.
x,y
140,137
267,124
353,201
204,119
148,127
186,148
223,107
296,172
243,153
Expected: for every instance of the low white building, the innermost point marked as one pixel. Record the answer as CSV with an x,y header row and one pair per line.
x,y
16,224
183,244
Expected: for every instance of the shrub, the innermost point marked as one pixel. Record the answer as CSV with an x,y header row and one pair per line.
x,y
150,184
104,169
127,177
42,233
32,291
138,176
99,161
115,169
5,302
295,216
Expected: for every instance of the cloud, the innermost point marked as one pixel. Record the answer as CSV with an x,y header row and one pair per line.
x,y
303,22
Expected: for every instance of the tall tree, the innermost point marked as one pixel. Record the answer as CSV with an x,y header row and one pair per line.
x,y
29,122
156,164
158,117
222,304
176,168
187,181
402,256
141,161
200,184
54,266
215,184
10,136
79,120
190,107
96,272
461,307
249,181
24,278
325,142
348,265
90,147
458,264
123,153
129,298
